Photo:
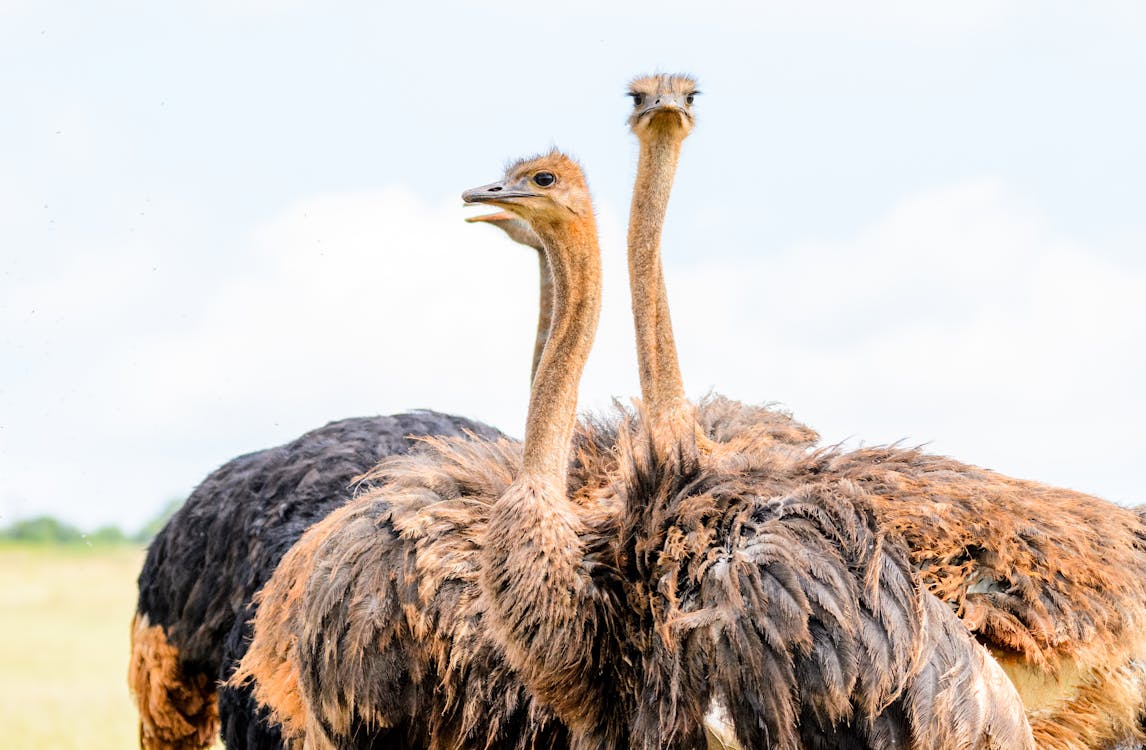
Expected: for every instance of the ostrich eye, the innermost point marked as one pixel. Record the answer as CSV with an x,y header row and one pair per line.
x,y
545,179
638,99
689,99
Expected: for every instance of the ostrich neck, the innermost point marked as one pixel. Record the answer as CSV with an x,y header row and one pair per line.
x,y
534,571
661,386
575,272
544,312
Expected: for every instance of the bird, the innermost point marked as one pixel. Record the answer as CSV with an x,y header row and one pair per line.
x,y
373,624
1051,581
206,563
191,625
679,512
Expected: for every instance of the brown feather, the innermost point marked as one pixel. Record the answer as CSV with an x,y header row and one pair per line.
x,y
177,711
1052,581
782,600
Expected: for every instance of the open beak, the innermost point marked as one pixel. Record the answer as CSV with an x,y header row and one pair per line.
x,y
492,218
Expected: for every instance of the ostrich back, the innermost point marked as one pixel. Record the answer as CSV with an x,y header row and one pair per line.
x,y
204,566
1051,580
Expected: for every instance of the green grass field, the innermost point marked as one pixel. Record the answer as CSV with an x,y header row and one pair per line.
x,y
65,613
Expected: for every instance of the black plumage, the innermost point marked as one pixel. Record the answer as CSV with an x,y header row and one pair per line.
x,y
204,566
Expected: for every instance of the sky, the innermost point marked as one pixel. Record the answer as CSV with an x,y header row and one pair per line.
x,y
223,224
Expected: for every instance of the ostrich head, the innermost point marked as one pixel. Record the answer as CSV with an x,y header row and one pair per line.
x,y
543,190
662,101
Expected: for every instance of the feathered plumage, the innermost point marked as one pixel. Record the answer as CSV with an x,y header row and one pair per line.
x,y
1051,580
783,601
204,566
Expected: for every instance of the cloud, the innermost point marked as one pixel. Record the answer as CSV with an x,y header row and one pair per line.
x,y
342,305
960,317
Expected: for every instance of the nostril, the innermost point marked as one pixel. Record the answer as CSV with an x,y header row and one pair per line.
x,y
658,101
494,189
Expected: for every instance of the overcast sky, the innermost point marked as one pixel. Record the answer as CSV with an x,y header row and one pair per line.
x,y
225,223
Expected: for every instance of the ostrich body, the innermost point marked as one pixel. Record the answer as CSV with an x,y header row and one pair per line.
x,y
204,566
1052,581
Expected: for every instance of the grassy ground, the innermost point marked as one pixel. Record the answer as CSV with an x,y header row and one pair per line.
x,y
64,619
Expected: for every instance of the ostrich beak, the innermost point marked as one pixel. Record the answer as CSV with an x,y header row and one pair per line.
x,y
496,192
666,103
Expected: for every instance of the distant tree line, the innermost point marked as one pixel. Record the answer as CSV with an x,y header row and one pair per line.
x,y
51,530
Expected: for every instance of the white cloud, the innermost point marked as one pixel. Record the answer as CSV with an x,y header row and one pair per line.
x,y
344,305
959,317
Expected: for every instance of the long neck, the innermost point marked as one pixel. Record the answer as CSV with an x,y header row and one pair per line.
x,y
574,270
662,389
542,602
544,312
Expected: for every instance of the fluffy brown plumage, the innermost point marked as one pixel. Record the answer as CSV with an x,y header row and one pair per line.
x,y
1052,581
806,622
177,711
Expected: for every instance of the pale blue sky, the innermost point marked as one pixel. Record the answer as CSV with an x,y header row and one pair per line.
x,y
225,223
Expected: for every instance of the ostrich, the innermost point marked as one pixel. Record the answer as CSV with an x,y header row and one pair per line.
x,y
1051,581
191,625
371,629
543,645
473,567
206,563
